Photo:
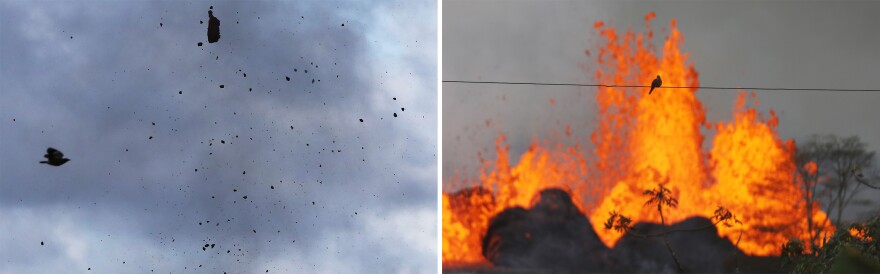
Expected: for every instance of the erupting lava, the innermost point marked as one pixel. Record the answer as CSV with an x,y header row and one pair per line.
x,y
639,141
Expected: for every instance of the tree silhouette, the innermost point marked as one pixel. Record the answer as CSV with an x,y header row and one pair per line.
x,y
662,197
832,169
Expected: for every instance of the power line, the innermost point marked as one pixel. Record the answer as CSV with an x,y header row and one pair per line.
x,y
628,86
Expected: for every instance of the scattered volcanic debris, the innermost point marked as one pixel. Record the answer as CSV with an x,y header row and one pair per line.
x,y
213,27
186,123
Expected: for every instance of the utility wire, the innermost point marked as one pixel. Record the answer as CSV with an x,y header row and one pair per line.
x,y
627,86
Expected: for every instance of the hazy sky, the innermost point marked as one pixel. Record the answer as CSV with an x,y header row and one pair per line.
x,y
271,173
803,44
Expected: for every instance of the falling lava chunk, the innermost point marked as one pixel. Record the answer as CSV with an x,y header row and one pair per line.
x,y
213,28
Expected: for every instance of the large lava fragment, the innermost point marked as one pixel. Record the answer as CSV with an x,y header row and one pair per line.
x,y
213,27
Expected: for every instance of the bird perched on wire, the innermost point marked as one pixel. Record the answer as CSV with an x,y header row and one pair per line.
x,y
655,84
54,157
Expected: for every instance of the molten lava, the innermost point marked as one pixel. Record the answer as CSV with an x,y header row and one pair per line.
x,y
641,140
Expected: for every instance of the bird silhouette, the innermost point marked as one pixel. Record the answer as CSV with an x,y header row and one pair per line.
x,y
54,157
655,84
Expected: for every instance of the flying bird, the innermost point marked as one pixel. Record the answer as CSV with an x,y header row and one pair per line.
x,y
655,84
54,157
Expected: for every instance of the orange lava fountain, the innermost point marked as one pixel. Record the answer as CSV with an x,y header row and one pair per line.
x,y
639,141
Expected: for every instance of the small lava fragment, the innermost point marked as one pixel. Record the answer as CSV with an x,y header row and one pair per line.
x,y
362,120
180,92
41,243
244,172
288,78
221,86
244,197
200,44
395,114
272,187
151,137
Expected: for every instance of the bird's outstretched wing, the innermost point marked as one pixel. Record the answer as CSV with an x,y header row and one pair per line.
x,y
54,153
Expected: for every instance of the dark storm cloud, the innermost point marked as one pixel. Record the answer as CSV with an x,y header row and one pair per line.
x,y
324,191
796,44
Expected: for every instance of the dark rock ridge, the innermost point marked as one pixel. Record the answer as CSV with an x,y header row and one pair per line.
x,y
700,251
554,235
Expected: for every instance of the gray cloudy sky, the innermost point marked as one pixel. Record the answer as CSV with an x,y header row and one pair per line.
x,y
794,44
156,175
